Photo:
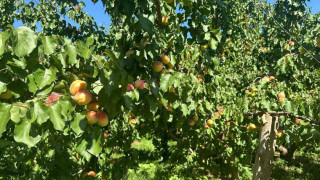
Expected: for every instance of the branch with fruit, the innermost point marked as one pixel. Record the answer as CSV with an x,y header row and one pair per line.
x,y
283,113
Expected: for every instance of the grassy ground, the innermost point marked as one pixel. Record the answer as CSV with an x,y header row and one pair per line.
x,y
303,166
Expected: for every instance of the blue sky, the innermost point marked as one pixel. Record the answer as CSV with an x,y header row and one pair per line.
x,y
97,12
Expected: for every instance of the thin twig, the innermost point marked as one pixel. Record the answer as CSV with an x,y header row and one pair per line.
x,y
173,136
159,16
97,60
27,107
282,113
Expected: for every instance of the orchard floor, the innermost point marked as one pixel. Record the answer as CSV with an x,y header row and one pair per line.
x,y
303,166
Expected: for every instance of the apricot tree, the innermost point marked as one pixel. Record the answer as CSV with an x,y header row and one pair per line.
x,y
184,83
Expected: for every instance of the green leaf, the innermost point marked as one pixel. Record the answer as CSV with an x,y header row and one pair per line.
x,y
165,82
21,133
32,84
5,116
79,124
218,34
113,58
287,106
213,44
146,24
41,113
3,87
134,95
111,104
46,90
49,44
216,61
24,42
55,116
130,96
94,146
17,112
44,77
82,150
184,109
127,7
128,102
89,41
154,87
67,107
266,105
207,36
60,60
4,36
152,104
72,54
83,50
143,145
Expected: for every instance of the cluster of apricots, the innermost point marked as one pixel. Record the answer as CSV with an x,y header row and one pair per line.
x,y
280,133
139,84
84,97
281,97
210,122
159,65
252,91
193,121
132,119
252,127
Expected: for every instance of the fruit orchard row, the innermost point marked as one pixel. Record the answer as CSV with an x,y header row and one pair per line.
x,y
151,89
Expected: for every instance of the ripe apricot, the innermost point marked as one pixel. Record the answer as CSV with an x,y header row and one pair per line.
x,y
165,59
130,87
77,86
157,66
92,117
102,119
93,106
139,84
83,97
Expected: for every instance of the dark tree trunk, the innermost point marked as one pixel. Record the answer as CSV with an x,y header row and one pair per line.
x,y
287,154
234,171
291,151
283,152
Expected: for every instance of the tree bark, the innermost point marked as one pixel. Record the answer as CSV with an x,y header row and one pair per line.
x,y
265,152
234,170
287,154
291,151
283,151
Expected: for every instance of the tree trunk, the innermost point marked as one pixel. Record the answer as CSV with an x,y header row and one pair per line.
x,y
291,151
234,171
265,152
287,154
283,151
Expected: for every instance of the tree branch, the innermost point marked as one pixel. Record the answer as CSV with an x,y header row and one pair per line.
x,y
27,107
159,16
173,136
201,53
199,62
97,60
216,18
282,113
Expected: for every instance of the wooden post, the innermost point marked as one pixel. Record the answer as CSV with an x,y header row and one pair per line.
x,y
265,152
